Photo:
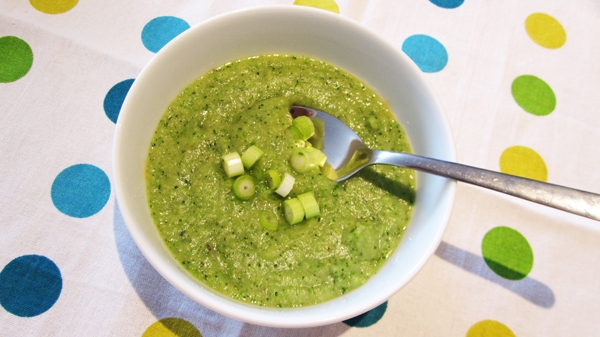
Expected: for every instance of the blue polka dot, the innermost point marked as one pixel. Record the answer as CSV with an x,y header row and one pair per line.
x,y
368,318
114,99
159,31
428,53
447,3
81,190
29,285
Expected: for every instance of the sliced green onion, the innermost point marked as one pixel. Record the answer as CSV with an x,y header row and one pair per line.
x,y
297,132
251,155
293,211
232,163
318,155
304,127
310,205
286,185
258,173
300,143
268,220
302,160
243,187
273,179
317,139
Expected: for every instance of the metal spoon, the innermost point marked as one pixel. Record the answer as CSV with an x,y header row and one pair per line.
x,y
347,154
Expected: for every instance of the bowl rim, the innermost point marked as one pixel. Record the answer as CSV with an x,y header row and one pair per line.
x,y
286,317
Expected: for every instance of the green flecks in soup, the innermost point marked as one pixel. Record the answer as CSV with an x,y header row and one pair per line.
x,y
219,239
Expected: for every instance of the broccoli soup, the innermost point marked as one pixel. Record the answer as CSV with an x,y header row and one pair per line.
x,y
236,190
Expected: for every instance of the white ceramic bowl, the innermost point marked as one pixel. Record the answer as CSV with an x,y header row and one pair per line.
x,y
286,30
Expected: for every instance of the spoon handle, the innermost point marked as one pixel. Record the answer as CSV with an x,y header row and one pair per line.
x,y
564,198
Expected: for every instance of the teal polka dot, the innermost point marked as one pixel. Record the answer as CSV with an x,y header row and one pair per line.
x,y
428,53
368,318
81,190
159,31
113,101
29,285
447,3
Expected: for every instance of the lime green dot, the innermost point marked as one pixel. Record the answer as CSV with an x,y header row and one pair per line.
x,y
507,253
489,328
16,58
172,327
329,5
545,30
523,162
53,6
533,95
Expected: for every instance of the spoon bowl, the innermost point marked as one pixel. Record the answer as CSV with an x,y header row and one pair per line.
x,y
347,154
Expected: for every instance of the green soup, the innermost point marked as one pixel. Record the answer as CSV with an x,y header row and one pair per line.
x,y
219,239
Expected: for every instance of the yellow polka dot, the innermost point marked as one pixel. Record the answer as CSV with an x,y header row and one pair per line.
x,y
53,6
524,162
329,5
489,328
172,327
545,30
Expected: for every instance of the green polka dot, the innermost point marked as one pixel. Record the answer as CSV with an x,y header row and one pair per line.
x,y
545,30
533,95
523,162
329,5
172,327
16,58
507,253
489,328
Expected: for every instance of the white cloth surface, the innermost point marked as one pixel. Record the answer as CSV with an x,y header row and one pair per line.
x,y
53,118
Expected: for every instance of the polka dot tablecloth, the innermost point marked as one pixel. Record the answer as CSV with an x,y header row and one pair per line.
x,y
519,81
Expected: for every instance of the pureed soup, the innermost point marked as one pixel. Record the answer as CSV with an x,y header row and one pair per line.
x,y
219,238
